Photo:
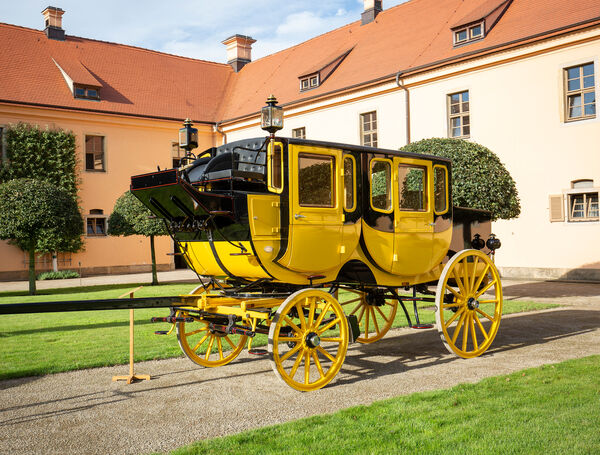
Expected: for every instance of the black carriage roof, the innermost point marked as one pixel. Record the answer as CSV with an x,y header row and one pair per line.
x,y
256,143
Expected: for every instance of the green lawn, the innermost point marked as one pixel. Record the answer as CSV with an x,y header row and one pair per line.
x,y
35,344
548,410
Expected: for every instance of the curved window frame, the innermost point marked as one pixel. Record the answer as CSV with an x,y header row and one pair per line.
x,y
445,169
351,158
271,159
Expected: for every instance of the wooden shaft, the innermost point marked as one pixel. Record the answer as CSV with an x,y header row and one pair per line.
x,y
131,339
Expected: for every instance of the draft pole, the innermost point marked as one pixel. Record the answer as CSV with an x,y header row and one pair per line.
x,y
131,377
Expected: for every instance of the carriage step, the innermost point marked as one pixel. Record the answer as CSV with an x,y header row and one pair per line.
x,y
171,319
422,326
258,352
161,332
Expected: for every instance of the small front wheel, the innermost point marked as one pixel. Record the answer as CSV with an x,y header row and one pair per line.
x,y
308,339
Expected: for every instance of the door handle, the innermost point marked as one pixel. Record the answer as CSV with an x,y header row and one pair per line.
x,y
298,216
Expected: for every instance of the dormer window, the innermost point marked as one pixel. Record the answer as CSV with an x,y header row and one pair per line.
x,y
309,82
468,34
88,93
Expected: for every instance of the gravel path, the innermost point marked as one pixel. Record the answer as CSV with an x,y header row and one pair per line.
x,y
84,412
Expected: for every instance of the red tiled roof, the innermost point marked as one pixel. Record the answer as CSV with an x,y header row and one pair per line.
x,y
483,10
136,81
133,81
405,37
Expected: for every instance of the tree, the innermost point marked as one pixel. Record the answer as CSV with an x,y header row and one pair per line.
x,y
479,179
131,217
49,155
38,216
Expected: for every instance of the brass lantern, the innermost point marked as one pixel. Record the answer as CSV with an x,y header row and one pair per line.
x,y
188,136
272,116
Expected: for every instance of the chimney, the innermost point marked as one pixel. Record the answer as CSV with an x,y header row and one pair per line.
x,y
239,51
53,23
372,9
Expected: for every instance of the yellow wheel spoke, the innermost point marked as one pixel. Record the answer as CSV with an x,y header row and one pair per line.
x,y
325,353
291,324
484,314
318,364
472,281
200,342
360,305
451,305
466,282
307,368
488,301
382,315
458,282
362,312
456,294
480,325
220,346
296,365
311,311
473,335
286,339
367,313
465,332
332,340
300,311
374,320
209,348
328,326
481,277
487,286
452,319
351,301
189,334
322,315
290,353
458,327
230,342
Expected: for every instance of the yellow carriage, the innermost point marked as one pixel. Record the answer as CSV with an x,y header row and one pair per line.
x,y
314,244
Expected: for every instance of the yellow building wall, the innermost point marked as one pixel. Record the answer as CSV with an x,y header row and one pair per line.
x,y
131,146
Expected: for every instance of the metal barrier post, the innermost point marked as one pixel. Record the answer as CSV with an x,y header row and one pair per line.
x,y
131,377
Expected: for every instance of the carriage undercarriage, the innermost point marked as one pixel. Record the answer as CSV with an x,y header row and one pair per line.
x,y
309,329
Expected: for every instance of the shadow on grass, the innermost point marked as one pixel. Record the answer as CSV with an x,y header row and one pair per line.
x,y
87,326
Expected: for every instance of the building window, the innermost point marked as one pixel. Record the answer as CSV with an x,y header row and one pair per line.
x,y
467,34
299,133
177,154
94,153
96,223
368,129
459,122
86,92
580,92
309,82
581,203
316,180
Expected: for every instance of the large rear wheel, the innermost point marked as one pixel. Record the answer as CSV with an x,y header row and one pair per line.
x,y
468,303
375,313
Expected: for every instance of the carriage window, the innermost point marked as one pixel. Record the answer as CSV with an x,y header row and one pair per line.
x,y
316,180
381,185
412,188
440,189
348,183
276,166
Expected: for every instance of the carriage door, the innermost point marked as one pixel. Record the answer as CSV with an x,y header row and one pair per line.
x,y
413,217
315,208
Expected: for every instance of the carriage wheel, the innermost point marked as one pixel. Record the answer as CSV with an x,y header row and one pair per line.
x,y
375,316
468,303
198,341
308,339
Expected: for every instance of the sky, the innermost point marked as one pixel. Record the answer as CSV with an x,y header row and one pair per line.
x,y
193,28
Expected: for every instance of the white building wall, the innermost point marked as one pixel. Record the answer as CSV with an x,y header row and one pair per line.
x,y
516,110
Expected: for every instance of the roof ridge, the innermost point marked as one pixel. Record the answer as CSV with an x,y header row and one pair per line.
x,y
117,44
330,31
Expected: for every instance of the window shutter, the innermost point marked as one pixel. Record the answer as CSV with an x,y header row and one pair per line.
x,y
557,208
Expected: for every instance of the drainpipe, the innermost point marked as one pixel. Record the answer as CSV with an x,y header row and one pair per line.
x,y
400,84
221,132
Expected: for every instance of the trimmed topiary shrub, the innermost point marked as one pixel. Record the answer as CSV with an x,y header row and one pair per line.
x,y
479,179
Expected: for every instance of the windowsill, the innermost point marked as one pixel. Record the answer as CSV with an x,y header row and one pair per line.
x,y
95,170
97,236
579,119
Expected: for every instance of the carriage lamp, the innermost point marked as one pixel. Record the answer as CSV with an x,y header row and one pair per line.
x,y
188,136
271,116
493,243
